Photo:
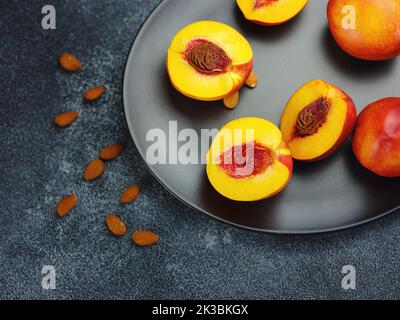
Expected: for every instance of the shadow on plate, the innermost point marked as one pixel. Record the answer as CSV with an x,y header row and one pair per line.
x,y
251,214
368,180
200,111
353,67
306,169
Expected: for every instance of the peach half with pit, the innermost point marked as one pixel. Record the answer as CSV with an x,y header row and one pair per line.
x,y
366,29
271,12
317,120
210,61
376,139
248,160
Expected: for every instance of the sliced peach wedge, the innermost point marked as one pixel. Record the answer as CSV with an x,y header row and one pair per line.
x,y
271,12
249,161
317,120
210,61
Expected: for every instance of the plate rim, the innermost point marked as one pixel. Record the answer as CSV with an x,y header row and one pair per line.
x,y
164,183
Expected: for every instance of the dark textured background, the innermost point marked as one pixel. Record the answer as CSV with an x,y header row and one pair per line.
x,y
197,257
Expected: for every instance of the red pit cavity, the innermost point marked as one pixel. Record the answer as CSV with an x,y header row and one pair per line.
x,y
206,57
262,3
246,160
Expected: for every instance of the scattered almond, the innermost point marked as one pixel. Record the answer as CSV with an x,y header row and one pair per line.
x,y
111,152
66,205
94,170
130,194
69,62
115,225
231,101
94,93
252,80
144,238
65,119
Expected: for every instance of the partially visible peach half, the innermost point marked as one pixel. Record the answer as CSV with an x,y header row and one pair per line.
x,y
210,61
249,161
376,139
317,120
271,12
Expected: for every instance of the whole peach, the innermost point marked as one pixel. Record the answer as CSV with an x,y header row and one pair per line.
x,y
366,29
376,140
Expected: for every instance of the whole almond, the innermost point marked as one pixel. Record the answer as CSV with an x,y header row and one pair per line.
x,y
66,205
144,238
94,93
130,194
69,62
252,80
232,100
115,225
111,152
65,119
94,170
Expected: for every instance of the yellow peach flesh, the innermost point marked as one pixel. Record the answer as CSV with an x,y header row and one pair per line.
x,y
255,187
273,12
194,84
314,146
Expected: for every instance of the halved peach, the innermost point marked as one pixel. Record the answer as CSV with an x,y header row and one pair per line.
x,y
249,161
376,139
317,120
209,61
271,12
366,29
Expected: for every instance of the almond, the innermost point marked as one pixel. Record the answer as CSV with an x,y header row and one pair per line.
x,y
66,205
130,194
94,93
144,238
115,225
252,80
94,170
111,152
69,62
232,100
65,119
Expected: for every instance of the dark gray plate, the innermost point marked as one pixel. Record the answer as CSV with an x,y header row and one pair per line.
x,y
330,195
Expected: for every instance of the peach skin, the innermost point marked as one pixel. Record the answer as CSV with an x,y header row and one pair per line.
x,y
376,139
366,29
317,120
